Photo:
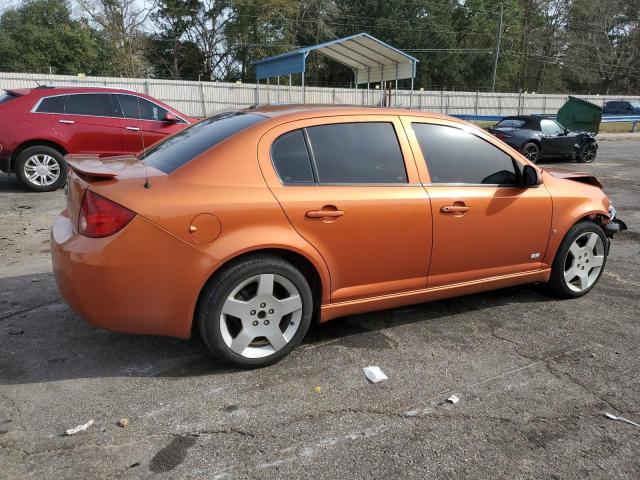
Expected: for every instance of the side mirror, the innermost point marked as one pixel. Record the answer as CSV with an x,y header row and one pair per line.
x,y
169,118
529,176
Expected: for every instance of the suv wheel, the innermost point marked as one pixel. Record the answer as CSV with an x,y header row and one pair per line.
x,y
580,260
255,312
41,168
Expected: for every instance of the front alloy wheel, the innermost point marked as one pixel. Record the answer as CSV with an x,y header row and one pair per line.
x,y
253,313
580,260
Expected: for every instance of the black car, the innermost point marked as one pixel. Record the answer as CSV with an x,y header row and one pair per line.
x,y
621,108
539,137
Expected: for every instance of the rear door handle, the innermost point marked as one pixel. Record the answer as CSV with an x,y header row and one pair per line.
x,y
67,122
324,213
133,129
455,209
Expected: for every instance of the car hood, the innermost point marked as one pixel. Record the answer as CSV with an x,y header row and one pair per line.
x,y
567,174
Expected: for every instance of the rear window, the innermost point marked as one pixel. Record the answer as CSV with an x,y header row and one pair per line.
x,y
183,147
291,158
357,153
511,123
52,104
4,98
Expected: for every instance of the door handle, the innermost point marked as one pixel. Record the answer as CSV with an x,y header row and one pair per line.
x,y
133,129
324,213
66,122
455,209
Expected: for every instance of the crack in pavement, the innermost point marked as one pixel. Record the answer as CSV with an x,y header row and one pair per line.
x,y
27,310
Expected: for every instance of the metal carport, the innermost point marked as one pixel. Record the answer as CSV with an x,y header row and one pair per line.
x,y
370,59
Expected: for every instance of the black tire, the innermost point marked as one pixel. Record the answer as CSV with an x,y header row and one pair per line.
x,y
588,152
217,291
557,282
43,150
531,150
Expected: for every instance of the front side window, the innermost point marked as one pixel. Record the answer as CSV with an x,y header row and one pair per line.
x,y
291,158
511,122
184,146
456,156
140,108
549,127
357,153
94,104
52,104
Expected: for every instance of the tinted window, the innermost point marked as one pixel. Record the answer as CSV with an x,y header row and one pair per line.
x,y
183,147
146,110
357,153
549,127
456,156
635,104
291,158
511,122
4,98
52,105
95,104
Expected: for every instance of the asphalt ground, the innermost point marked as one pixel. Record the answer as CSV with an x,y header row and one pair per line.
x,y
534,375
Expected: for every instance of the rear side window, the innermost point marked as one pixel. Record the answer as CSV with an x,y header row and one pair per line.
x,y
456,156
94,104
291,158
511,122
52,104
357,153
136,107
184,146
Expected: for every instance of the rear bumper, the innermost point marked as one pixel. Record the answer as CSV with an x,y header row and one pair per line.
x,y
141,280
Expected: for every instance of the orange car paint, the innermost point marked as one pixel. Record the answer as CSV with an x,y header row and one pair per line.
x,y
393,246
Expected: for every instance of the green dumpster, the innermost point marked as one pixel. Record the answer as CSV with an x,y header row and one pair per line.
x,y
580,116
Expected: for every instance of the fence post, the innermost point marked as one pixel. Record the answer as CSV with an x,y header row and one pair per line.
x,y
475,109
204,103
544,105
441,101
146,87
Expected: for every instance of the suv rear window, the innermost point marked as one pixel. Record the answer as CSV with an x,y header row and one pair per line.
x,y
183,147
52,104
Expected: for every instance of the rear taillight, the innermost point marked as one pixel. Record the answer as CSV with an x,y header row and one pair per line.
x,y
100,217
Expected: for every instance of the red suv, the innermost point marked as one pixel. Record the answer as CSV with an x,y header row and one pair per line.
x,y
39,126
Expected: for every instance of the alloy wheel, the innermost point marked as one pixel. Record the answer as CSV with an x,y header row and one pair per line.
x,y
531,151
42,170
261,315
589,153
584,262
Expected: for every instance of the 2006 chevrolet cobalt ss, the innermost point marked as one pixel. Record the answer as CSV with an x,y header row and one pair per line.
x,y
250,224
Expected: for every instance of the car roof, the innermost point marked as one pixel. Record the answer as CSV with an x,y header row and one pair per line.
x,y
298,111
45,90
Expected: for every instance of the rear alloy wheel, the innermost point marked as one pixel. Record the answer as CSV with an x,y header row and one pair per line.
x,y
587,153
256,312
531,151
580,260
41,168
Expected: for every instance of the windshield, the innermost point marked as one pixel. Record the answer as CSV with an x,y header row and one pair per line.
x,y
4,98
183,147
635,104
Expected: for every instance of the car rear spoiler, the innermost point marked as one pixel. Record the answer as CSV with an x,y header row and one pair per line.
x,y
92,166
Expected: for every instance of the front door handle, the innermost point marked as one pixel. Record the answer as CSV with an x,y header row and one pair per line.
x,y
133,129
325,213
455,209
66,122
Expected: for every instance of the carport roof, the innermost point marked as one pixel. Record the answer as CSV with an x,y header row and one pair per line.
x,y
371,59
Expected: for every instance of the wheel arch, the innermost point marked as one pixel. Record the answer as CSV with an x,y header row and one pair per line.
x,y
33,143
307,266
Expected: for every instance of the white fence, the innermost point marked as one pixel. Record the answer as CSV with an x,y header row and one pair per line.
x,y
201,99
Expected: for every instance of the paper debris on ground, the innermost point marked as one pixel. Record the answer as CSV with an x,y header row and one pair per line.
x,y
374,374
620,419
79,428
123,422
453,399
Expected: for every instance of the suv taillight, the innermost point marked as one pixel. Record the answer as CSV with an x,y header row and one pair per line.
x,y
100,217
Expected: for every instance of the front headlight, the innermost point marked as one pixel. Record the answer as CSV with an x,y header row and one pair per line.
x,y
612,211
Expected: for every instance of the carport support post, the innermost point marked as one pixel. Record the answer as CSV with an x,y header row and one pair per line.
x,y
257,94
411,95
268,92
395,100
289,88
368,87
278,91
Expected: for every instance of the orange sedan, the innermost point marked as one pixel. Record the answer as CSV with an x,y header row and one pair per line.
x,y
249,225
